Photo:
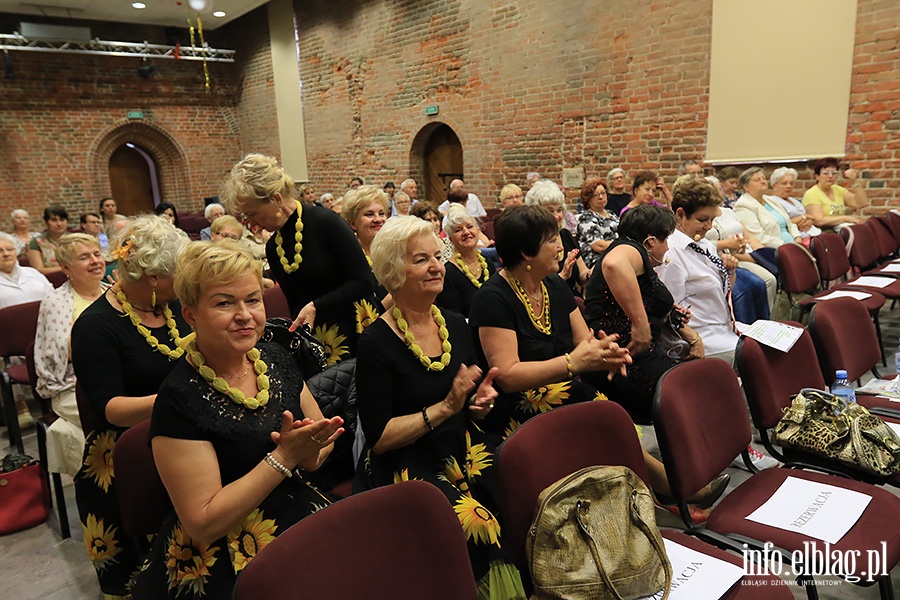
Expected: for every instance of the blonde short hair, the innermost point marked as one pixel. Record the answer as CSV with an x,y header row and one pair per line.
x,y
545,193
388,251
682,179
457,215
225,222
149,245
357,200
205,263
508,189
65,247
255,178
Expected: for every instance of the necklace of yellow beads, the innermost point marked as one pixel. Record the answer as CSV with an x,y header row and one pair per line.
x,y
298,244
220,385
541,322
458,259
403,326
170,353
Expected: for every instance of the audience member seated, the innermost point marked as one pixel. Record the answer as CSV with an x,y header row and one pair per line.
x,y
531,179
762,215
307,194
109,215
458,195
81,259
618,196
402,204
427,212
472,202
571,266
782,180
230,426
212,212
42,247
313,254
93,226
168,211
596,225
625,298
467,270
21,232
830,204
691,168
123,347
227,227
326,200
511,195
728,179
18,284
644,188
416,374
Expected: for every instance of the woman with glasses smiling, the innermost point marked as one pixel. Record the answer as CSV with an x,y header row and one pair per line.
x,y
830,204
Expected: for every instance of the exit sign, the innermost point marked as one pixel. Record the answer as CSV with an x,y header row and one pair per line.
x,y
431,110
135,114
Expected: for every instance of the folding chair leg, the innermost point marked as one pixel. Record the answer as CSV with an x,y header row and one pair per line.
x,y
809,583
11,416
61,510
880,340
886,588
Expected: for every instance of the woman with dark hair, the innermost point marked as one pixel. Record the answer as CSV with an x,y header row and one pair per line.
x,y
109,215
42,247
728,179
167,211
596,226
643,189
830,204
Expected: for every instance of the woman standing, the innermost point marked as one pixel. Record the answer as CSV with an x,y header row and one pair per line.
x,y
416,375
365,210
468,270
21,222
830,204
314,256
42,248
123,346
596,226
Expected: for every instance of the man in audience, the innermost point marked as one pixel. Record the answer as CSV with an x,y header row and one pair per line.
x,y
692,168
92,225
212,212
618,195
408,187
389,189
473,204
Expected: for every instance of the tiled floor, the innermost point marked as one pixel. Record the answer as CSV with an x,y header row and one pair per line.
x,y
37,564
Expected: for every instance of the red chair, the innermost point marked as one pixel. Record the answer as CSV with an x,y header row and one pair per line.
x,y
398,542
19,325
864,253
57,278
585,435
695,450
276,303
892,220
488,228
887,244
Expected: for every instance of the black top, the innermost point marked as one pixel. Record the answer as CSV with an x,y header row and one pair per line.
x,y
334,272
569,244
616,202
458,290
187,407
111,358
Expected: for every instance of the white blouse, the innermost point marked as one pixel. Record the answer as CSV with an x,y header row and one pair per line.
x,y
23,285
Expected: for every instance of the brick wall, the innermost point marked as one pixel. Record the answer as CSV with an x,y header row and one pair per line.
x,y
540,86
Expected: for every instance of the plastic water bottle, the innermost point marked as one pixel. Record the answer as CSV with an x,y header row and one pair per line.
x,y
897,361
843,387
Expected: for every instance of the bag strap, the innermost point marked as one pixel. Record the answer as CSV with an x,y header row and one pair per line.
x,y
580,511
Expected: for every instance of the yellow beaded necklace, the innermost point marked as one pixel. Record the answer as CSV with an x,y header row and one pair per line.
x,y
298,246
151,340
416,349
542,323
221,386
458,259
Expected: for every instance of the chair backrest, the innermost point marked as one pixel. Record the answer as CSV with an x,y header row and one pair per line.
x,y
892,220
402,542
57,278
143,498
580,435
276,303
864,249
887,245
796,269
488,228
845,338
701,422
770,377
831,256
18,326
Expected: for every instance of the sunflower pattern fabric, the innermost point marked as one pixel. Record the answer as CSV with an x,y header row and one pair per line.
x,y
179,566
457,458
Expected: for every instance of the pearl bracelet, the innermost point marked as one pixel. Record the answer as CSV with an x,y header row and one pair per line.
x,y
273,462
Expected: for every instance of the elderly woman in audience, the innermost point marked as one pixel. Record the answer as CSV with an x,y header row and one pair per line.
x,y
313,255
109,215
571,266
21,222
402,204
306,193
123,347
81,259
830,204
212,212
763,216
428,212
596,225
227,227
326,200
18,284
422,396
728,179
467,270
618,195
230,426
511,195
42,247
782,180
624,297
644,188
167,211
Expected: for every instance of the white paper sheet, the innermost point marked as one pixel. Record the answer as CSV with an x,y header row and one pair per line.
x,y
818,510
847,294
873,281
891,268
894,426
774,334
697,575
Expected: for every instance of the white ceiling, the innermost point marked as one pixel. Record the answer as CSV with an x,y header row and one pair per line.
x,y
158,12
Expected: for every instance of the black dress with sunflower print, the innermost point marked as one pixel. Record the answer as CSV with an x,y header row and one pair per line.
x,y
391,382
111,359
497,305
333,273
187,407
459,290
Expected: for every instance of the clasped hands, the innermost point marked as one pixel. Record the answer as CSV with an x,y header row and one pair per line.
x,y
301,441
482,401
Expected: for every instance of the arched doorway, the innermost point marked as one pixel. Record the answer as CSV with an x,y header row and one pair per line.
x,y
443,162
133,179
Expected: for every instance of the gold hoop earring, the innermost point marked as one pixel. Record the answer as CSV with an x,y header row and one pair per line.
x,y
153,298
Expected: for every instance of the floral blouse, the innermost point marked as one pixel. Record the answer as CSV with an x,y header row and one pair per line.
x,y
593,226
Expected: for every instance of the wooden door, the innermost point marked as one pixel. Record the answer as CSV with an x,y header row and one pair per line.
x,y
131,182
443,163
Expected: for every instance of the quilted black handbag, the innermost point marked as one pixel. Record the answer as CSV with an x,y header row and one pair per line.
x,y
335,391
308,352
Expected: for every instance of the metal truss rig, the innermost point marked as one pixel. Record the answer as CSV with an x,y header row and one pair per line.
x,y
15,41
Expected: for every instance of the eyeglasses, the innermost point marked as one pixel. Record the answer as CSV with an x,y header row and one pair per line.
x,y
829,173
